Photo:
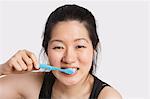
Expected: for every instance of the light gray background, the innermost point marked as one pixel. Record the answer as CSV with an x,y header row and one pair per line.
x,y
122,28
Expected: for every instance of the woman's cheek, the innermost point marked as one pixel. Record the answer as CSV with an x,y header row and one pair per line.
x,y
86,58
54,57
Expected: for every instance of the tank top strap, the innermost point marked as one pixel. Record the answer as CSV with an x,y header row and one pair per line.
x,y
98,85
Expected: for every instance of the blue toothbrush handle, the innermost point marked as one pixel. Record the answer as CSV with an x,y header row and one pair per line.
x,y
48,67
45,66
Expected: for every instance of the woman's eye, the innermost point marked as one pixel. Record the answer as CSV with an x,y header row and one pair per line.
x,y
80,46
58,47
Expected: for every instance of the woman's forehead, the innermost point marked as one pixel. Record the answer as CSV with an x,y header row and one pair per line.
x,y
69,30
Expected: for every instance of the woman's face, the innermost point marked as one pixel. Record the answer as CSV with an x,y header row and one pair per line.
x,y
70,47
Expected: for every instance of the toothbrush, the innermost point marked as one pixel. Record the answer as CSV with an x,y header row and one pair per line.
x,y
48,68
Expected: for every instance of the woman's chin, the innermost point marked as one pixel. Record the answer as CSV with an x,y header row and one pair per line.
x,y
67,79
70,82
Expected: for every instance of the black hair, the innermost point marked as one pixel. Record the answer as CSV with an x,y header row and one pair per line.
x,y
71,12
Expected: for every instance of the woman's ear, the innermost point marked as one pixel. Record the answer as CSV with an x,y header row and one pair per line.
x,y
94,53
94,57
97,56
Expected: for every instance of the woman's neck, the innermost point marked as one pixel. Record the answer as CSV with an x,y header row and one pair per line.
x,y
83,88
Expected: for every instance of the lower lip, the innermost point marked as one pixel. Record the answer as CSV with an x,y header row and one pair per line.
x,y
69,75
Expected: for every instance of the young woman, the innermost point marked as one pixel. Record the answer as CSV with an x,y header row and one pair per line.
x,y
70,41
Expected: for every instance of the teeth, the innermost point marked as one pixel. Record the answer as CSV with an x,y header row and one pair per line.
x,y
75,69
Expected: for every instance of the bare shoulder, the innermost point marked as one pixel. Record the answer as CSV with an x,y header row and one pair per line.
x,y
109,93
16,85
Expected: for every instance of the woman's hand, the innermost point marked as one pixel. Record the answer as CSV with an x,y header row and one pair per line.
x,y
21,62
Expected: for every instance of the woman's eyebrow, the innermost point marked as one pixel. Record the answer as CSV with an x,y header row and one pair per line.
x,y
56,41
78,39
83,39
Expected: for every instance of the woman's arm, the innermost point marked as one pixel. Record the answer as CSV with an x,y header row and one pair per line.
x,y
18,76
8,88
21,86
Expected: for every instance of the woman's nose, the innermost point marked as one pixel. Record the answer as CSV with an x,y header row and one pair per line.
x,y
69,56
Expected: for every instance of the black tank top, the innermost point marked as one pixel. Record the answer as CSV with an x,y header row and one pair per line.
x,y
49,79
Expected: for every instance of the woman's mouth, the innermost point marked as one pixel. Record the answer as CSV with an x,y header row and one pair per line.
x,y
75,69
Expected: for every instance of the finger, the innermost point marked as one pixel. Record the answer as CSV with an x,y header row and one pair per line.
x,y
16,66
30,67
34,59
22,64
28,61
